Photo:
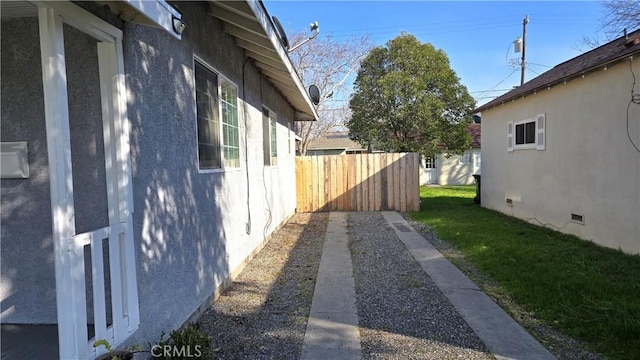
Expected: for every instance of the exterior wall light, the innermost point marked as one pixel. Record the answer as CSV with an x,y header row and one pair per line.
x,y
178,25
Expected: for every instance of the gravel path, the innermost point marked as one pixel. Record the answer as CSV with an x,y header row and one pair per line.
x,y
402,313
263,315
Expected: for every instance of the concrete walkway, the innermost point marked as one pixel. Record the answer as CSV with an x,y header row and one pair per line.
x,y
332,331
504,337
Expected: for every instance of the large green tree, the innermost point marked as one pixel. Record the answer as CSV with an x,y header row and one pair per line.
x,y
407,98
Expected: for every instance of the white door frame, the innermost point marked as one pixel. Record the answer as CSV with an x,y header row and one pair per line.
x,y
476,160
431,173
69,246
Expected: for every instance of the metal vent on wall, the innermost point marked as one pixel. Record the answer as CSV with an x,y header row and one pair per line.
x,y
577,218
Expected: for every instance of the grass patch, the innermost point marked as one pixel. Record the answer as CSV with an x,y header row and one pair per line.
x,y
584,290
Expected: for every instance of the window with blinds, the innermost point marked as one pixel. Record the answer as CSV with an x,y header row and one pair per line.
x,y
208,118
217,117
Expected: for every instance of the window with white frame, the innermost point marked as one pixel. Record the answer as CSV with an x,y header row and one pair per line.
x,y
465,159
230,128
269,137
430,163
526,134
289,136
217,117
274,138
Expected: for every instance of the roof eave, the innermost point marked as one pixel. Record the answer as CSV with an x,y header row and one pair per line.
x,y
255,33
563,80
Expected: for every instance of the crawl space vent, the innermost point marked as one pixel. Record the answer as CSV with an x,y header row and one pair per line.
x,y
577,218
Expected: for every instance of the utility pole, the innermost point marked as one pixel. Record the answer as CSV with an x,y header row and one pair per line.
x,y
524,47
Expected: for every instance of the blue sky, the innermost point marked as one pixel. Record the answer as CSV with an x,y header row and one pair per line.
x,y
477,36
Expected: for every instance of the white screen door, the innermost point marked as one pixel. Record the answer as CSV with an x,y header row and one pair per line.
x,y
96,289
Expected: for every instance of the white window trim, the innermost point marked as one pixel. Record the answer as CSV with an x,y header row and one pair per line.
x,y
221,78
517,146
540,135
68,246
289,136
510,136
433,161
275,116
465,163
477,159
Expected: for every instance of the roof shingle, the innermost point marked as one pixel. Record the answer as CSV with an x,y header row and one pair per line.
x,y
336,140
475,130
607,54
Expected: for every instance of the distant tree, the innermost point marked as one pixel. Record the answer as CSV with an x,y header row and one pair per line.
x,y
620,15
617,16
328,63
407,98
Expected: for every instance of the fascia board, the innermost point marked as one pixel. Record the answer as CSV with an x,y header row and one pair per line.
x,y
265,22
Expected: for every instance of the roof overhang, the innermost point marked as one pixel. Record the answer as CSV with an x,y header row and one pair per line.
x,y
507,98
156,13
250,24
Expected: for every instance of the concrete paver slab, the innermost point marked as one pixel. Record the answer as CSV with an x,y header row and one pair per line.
x,y
332,331
504,337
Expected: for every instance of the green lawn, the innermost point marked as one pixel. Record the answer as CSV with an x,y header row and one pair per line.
x,y
586,291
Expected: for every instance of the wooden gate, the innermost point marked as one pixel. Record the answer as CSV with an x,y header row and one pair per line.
x,y
362,182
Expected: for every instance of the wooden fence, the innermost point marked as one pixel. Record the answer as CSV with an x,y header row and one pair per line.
x,y
362,182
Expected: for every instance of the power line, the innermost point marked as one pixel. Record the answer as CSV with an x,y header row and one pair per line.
x,y
503,80
485,91
436,31
437,24
533,71
443,27
548,66
506,19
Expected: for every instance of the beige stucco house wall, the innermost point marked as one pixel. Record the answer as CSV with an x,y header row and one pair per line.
x,y
589,167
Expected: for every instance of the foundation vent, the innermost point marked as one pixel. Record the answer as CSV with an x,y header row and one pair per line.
x,y
577,218
509,201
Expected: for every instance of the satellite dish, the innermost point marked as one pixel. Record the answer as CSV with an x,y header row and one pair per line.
x,y
281,33
314,94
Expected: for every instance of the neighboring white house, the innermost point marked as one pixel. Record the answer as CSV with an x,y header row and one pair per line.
x,y
143,163
456,169
563,150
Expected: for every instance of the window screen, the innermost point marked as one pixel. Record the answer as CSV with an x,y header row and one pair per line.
x,y
230,129
530,132
208,118
526,133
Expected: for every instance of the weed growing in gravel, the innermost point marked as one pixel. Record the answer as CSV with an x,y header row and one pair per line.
x,y
188,342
